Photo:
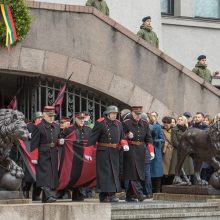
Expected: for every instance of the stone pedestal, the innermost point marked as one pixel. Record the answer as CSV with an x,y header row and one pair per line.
x,y
192,190
5,195
188,193
13,197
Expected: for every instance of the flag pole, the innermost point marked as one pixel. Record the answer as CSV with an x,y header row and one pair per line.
x,y
69,77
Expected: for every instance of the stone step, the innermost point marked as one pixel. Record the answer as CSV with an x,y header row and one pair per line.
x,y
168,216
160,208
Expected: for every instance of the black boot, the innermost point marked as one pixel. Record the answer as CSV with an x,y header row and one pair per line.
x,y
157,185
26,194
77,195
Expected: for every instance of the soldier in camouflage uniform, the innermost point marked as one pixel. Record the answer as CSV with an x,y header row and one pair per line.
x,y
101,5
147,34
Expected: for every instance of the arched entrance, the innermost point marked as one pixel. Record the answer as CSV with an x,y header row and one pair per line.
x,y
33,93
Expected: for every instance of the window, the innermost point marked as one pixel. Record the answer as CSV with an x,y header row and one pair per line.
x,y
167,7
208,8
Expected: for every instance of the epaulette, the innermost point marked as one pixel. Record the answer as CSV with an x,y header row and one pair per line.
x,y
101,119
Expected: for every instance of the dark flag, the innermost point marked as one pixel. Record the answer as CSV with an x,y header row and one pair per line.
x,y
75,170
59,100
13,103
24,150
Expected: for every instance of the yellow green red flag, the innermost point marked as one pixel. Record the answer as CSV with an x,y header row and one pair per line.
x,y
11,35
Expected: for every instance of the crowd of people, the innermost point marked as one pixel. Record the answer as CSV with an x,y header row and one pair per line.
x,y
135,153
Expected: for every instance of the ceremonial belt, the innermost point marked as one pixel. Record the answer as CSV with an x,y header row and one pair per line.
x,y
108,145
136,142
48,145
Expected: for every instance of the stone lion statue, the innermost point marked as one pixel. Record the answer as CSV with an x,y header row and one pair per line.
x,y
12,128
202,146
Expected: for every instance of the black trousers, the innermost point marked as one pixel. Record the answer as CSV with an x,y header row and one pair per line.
x,y
77,194
135,189
47,193
36,190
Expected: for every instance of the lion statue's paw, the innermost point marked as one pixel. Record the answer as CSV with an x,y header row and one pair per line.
x,y
15,170
201,182
177,180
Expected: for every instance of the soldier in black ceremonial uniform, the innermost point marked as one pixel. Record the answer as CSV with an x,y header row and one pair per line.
x,y
64,124
82,134
45,137
28,181
140,146
109,136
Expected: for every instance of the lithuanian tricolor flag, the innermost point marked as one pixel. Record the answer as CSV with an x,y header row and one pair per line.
x,y
11,35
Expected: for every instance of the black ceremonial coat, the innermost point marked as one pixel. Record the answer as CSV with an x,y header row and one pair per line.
x,y
27,176
107,158
82,135
134,159
47,167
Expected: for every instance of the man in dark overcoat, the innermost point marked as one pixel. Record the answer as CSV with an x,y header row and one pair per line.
x,y
108,136
45,137
28,180
140,148
82,133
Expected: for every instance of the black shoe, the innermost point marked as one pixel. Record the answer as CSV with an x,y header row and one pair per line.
x,y
26,194
130,200
67,195
36,198
78,199
114,199
51,199
150,196
141,198
105,200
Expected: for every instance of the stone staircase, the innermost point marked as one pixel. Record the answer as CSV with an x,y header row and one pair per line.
x,y
166,210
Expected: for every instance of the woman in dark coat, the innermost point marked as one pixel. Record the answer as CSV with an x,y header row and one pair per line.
x,y
176,134
156,163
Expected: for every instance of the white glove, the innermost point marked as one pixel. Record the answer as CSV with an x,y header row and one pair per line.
x,y
130,135
29,135
34,161
87,157
152,155
126,148
61,141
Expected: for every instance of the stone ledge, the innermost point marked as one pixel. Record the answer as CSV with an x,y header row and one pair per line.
x,y
121,29
52,6
184,197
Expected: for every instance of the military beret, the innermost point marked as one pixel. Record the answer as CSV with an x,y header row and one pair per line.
x,y
201,57
187,114
146,18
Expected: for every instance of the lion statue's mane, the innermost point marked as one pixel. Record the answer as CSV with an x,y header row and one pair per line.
x,y
12,128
